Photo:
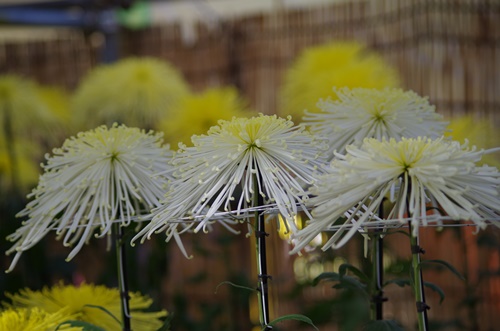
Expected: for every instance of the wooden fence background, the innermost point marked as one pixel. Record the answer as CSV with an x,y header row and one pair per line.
x,y
447,50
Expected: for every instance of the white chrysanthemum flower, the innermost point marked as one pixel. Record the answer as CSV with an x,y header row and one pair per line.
x,y
361,113
100,177
418,171
225,167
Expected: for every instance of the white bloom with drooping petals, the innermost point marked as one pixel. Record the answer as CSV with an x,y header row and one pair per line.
x,y
97,178
223,169
361,113
417,171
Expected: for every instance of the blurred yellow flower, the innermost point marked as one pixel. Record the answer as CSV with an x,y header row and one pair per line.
x,y
134,91
57,101
318,69
23,171
196,113
479,132
27,126
83,303
35,319
22,110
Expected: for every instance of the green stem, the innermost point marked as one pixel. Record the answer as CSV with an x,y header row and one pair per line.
x,y
417,281
122,275
260,236
416,276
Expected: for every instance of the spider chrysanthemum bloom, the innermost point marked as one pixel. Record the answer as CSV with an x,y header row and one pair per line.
x,y
134,91
361,113
196,113
231,164
97,178
35,319
418,171
83,303
318,69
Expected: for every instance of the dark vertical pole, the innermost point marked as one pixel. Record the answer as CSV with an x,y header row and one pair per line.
x,y
122,275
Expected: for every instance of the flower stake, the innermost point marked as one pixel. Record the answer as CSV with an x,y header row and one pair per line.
x,y
122,275
378,266
260,237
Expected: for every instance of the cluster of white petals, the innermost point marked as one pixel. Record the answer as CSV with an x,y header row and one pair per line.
x,y
100,177
361,113
225,169
415,172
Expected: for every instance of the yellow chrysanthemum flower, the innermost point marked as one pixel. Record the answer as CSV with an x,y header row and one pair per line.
x,y
35,319
479,132
26,127
23,171
84,301
318,69
57,101
22,110
196,113
134,91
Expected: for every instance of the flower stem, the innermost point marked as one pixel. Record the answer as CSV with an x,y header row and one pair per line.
x,y
418,282
122,275
260,236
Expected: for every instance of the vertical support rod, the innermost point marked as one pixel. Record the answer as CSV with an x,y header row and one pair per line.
x,y
262,270
261,257
378,261
122,275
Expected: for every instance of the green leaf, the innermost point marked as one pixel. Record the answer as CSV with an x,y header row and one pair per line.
x,y
349,267
436,289
296,317
106,311
401,282
235,285
166,323
86,326
386,325
332,276
348,282
445,264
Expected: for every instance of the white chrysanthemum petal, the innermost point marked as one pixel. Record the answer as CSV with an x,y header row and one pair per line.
x,y
94,179
220,170
415,172
361,113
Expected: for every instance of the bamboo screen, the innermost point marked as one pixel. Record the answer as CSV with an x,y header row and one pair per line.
x,y
446,50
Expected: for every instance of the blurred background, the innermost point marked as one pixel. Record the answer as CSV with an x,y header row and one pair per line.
x,y
446,50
